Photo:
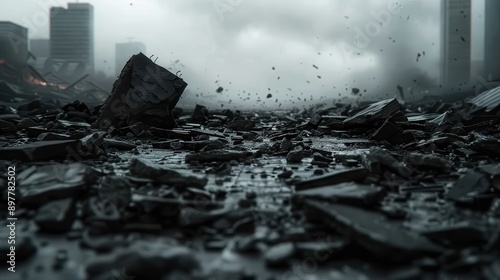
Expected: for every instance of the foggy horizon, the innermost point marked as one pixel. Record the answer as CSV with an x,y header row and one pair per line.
x,y
311,46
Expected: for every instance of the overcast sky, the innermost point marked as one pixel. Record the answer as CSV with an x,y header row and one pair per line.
x,y
237,42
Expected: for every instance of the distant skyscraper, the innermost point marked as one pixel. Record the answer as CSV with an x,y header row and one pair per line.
x,y
456,42
124,51
72,34
492,39
13,44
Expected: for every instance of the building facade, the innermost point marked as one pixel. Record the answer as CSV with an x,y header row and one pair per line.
x,y
40,47
492,40
456,42
124,51
13,44
72,34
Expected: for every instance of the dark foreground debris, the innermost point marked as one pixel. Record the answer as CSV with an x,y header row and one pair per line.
x,y
379,191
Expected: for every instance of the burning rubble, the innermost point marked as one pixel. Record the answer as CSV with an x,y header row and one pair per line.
x,y
138,188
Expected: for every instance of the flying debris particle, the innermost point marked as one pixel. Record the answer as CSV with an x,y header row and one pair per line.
x,y
346,17
219,89
278,78
423,53
408,18
274,68
269,95
463,39
308,82
418,56
319,53
319,77
355,90
315,66
216,81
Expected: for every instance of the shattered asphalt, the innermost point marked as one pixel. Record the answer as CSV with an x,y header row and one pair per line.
x,y
149,191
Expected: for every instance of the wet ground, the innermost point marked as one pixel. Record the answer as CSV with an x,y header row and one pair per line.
x,y
377,192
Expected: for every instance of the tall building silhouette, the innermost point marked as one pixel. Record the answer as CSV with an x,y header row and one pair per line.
x,y
456,42
72,34
13,44
492,39
124,51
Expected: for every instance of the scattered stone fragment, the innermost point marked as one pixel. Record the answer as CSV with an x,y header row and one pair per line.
x,y
242,125
350,193
314,121
386,131
469,185
378,156
146,169
296,155
7,127
461,233
382,237
200,114
381,110
56,216
485,144
40,184
25,123
280,255
433,161
341,176
88,146
117,144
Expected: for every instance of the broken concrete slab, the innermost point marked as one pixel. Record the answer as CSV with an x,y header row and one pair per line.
x,y
40,184
381,110
379,157
117,144
144,92
386,131
486,145
88,146
464,233
296,155
200,114
384,238
147,169
428,160
337,177
242,125
56,216
7,127
469,185
348,193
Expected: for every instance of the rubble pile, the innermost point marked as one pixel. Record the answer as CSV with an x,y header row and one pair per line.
x,y
382,191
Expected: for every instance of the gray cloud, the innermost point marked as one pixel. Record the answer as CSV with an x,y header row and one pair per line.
x,y
237,42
